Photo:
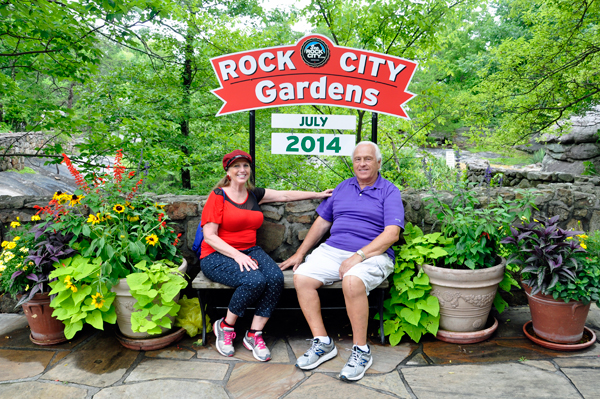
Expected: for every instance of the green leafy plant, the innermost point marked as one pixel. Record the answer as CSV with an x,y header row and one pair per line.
x,y
155,287
108,219
476,229
411,309
81,297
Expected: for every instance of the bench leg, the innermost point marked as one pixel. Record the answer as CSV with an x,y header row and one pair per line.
x,y
203,315
381,296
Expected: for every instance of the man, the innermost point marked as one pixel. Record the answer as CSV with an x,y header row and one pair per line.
x,y
366,215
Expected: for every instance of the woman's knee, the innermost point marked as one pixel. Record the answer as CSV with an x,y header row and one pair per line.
x,y
255,280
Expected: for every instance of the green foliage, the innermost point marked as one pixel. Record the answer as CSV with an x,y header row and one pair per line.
x,y
589,169
81,297
190,316
154,288
411,309
538,156
25,170
476,228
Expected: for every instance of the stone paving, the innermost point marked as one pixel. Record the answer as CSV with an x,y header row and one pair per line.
x,y
95,365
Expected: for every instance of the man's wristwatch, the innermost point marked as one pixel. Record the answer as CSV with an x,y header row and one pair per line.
x,y
361,254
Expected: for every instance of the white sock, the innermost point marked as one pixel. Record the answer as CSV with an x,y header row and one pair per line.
x,y
326,340
364,348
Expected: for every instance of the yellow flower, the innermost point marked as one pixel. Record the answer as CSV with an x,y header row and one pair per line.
x,y
24,268
133,218
16,238
27,288
2,268
582,236
122,236
535,220
73,288
11,245
67,280
583,245
97,303
127,203
158,206
23,249
152,239
35,218
4,244
119,208
14,225
74,199
93,219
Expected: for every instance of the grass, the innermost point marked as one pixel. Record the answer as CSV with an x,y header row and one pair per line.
x,y
24,170
510,156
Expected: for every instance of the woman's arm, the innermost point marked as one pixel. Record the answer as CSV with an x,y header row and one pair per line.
x,y
286,196
211,237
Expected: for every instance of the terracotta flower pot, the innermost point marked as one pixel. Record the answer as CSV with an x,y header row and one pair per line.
x,y
465,296
556,320
45,329
124,302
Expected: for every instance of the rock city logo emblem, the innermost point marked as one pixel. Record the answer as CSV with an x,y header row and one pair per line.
x,y
315,53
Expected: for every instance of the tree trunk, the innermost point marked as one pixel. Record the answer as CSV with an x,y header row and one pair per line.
x,y
186,180
70,97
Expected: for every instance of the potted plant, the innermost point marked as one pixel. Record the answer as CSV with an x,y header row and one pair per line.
x,y
466,280
25,264
117,232
560,280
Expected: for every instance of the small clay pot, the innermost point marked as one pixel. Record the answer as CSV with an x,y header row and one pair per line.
x,y
556,320
45,329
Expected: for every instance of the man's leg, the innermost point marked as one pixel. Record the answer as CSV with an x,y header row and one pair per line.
x,y
357,306
310,303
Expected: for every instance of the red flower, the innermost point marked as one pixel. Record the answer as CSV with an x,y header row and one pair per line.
x,y
160,216
164,224
119,169
130,175
75,173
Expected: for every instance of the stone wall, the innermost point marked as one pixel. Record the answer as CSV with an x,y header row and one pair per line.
x,y
21,143
522,178
286,224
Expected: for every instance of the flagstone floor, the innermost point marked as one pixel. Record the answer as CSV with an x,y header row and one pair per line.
x,y
95,365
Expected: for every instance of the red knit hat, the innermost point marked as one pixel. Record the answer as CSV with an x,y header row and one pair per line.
x,y
228,159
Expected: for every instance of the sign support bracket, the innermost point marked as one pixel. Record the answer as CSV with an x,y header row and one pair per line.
x,y
374,127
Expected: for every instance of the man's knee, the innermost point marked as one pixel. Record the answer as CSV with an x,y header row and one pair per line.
x,y
305,283
353,286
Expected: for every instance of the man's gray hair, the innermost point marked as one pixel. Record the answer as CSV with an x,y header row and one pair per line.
x,y
377,150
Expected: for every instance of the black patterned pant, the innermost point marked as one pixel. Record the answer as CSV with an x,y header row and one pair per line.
x,y
261,287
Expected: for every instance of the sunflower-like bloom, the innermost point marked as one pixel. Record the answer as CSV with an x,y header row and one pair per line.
x,y
119,208
152,239
97,300
16,224
5,244
133,218
75,199
69,284
11,245
93,219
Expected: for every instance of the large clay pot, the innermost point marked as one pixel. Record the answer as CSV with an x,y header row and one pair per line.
x,y
45,329
465,296
556,320
124,302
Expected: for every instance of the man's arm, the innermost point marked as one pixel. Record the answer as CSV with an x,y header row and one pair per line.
x,y
379,245
316,232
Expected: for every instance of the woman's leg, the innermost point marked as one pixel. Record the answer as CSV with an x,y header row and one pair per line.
x,y
249,285
269,298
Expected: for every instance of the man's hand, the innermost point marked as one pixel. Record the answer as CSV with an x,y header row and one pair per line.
x,y
349,264
295,260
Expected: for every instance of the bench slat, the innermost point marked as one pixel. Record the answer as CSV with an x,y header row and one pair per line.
x,y
202,282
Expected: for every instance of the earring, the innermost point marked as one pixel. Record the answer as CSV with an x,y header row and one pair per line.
x,y
228,178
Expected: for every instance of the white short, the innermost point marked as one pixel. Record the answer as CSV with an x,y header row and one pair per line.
x,y
324,262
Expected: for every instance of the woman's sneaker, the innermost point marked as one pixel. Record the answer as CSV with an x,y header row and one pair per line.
x,y
317,354
257,345
356,366
225,336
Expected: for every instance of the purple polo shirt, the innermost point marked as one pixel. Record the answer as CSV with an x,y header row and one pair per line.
x,y
359,216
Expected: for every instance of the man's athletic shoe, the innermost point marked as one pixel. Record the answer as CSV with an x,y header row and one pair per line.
x,y
317,354
225,336
357,364
257,345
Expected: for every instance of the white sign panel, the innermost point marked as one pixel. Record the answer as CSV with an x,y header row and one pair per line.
x,y
312,144
295,121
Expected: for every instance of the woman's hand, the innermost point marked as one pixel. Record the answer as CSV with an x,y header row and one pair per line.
x,y
326,193
245,262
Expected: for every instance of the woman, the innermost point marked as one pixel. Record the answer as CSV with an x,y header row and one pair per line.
x,y
230,256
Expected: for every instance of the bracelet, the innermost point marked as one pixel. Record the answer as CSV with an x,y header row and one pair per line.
x,y
361,254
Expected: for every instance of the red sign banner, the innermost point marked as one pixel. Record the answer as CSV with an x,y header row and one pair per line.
x,y
314,71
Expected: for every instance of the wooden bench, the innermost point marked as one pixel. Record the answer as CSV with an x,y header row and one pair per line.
x,y
201,284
